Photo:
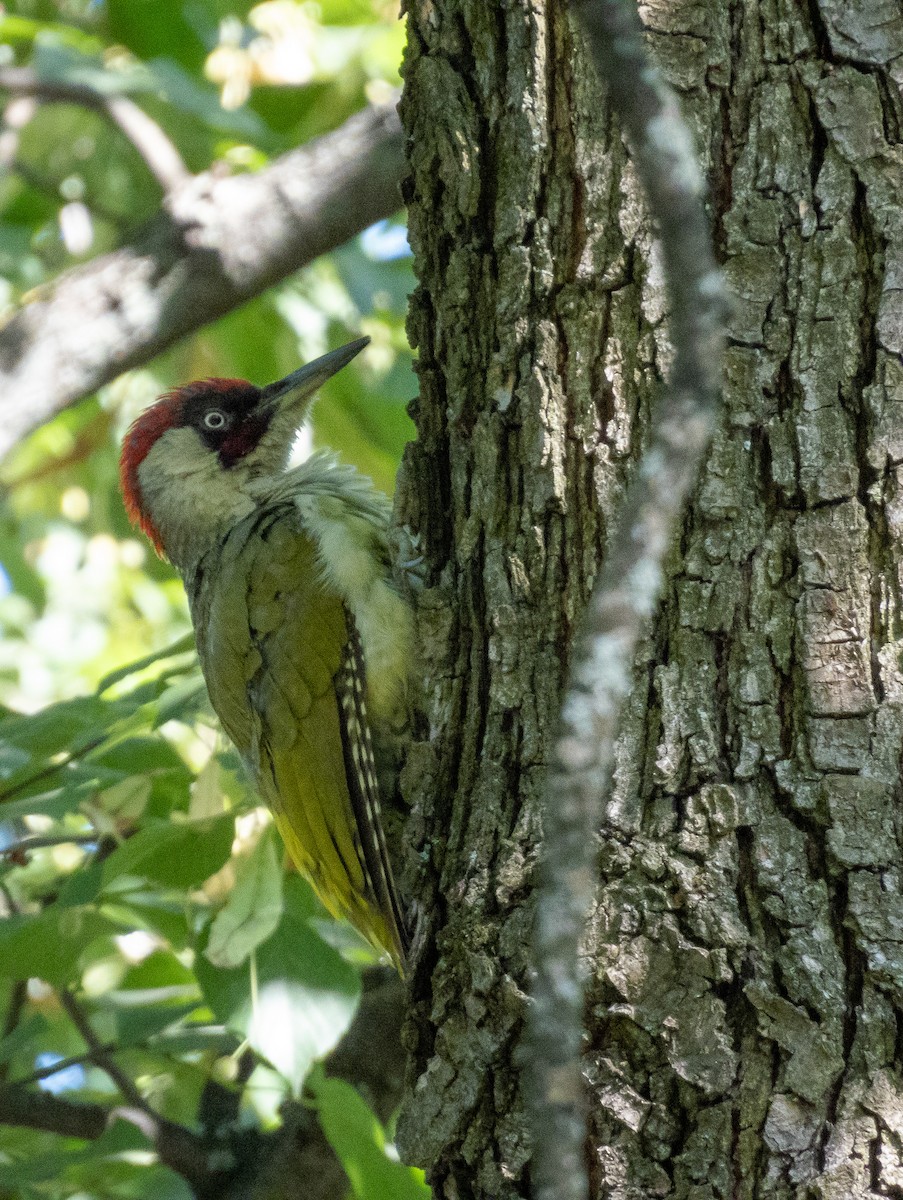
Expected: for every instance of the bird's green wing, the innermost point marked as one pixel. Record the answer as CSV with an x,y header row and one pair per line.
x,y
285,674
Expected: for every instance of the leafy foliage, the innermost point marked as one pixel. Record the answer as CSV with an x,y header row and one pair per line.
x,y
141,885
360,1142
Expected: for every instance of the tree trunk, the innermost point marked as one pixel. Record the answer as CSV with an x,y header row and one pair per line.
x,y
745,1017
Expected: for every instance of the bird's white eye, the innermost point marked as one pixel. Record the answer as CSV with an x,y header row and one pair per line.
x,y
214,419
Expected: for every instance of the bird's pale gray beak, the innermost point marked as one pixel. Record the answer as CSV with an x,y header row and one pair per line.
x,y
301,384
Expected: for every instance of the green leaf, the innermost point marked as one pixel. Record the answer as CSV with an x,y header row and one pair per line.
x,y
180,701
49,944
151,910
55,803
24,29
67,726
253,909
153,759
360,1145
81,887
177,854
185,645
347,12
186,93
23,578
37,1168
137,1026
120,1139
56,61
12,759
18,1039
303,997
140,25
300,1016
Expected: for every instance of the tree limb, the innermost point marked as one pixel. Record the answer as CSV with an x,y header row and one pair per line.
x,y
101,1055
231,1161
177,1146
160,155
627,589
221,242
63,1064
17,997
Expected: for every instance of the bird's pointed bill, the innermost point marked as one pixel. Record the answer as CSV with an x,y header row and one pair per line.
x,y
304,382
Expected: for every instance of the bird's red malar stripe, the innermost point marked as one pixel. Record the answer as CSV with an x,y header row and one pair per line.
x,y
141,436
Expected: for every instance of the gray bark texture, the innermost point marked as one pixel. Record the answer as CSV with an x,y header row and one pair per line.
x,y
745,1019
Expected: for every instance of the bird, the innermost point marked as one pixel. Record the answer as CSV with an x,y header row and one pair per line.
x,y
303,639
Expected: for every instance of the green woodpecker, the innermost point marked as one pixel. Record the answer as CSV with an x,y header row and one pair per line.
x,y
301,635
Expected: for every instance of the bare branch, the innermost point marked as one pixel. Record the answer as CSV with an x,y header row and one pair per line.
x,y
627,590
177,1146
101,1054
232,1162
223,241
17,997
159,153
62,1064
52,768
41,841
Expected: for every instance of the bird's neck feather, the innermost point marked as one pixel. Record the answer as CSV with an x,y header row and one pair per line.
x,y
190,501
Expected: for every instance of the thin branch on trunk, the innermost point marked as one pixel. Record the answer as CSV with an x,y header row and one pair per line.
x,y
221,242
42,841
17,997
101,1054
63,1064
158,152
52,768
626,592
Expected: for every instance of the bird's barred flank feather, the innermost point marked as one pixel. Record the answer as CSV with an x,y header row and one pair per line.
x,y
363,789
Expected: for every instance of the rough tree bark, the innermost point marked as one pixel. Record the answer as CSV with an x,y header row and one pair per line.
x,y
745,1017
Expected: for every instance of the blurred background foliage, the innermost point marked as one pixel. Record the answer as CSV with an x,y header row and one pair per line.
x,y
145,901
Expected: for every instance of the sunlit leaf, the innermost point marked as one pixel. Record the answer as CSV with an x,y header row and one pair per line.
x,y
180,855
184,645
359,1142
24,29
293,1000
49,944
161,913
254,907
22,1036
53,802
